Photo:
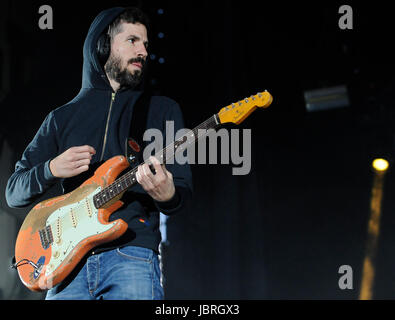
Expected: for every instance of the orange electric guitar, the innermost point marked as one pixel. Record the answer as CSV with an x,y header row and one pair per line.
x,y
57,233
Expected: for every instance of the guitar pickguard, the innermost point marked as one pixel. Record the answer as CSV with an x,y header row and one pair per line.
x,y
70,225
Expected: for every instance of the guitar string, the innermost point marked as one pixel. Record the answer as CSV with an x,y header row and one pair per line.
x,y
130,176
160,154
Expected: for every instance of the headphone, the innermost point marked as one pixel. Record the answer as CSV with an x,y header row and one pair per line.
x,y
103,48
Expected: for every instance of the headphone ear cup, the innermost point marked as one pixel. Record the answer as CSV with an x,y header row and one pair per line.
x,y
103,48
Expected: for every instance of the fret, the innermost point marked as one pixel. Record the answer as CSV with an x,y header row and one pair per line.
x,y
129,180
96,201
133,178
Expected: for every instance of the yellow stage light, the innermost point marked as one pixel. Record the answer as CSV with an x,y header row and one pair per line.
x,y
380,164
368,272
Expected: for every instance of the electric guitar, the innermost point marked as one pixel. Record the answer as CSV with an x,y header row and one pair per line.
x,y
57,233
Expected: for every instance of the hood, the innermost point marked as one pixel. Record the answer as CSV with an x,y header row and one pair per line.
x,y
93,75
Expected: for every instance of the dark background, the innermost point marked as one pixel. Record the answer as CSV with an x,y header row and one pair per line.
x,y
282,231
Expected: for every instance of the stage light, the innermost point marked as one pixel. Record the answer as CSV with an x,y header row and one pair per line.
x,y
326,98
380,164
369,269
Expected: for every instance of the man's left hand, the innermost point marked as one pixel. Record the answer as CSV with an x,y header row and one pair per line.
x,y
160,186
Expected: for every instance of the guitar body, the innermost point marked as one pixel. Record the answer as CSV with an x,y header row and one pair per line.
x,y
57,233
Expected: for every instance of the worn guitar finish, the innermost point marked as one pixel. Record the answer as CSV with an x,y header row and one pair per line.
x,y
59,232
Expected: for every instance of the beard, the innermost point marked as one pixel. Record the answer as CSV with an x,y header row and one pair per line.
x,y
124,77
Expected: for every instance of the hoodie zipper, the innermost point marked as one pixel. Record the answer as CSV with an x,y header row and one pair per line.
x,y
108,121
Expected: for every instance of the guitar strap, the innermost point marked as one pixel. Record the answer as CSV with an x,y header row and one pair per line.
x,y
134,144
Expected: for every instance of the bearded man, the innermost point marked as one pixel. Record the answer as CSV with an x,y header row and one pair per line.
x,y
77,137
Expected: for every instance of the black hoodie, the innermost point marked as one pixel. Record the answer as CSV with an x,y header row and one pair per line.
x,y
83,121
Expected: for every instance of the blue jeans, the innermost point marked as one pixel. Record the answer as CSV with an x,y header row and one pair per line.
x,y
128,273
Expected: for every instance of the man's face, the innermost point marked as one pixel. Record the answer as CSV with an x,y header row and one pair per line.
x,y
128,55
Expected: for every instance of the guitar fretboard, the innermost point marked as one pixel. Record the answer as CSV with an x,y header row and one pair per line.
x,y
129,179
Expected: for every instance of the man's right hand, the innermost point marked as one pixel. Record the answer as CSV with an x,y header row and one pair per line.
x,y
72,162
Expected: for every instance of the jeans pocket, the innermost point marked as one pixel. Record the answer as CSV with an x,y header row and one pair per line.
x,y
136,253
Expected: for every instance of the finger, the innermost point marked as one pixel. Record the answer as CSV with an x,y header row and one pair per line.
x,y
85,148
147,177
79,163
80,156
147,172
167,172
159,172
158,166
155,162
139,175
81,169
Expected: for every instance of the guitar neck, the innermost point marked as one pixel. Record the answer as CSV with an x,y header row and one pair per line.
x,y
129,179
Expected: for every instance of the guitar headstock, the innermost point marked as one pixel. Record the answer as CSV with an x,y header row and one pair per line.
x,y
237,112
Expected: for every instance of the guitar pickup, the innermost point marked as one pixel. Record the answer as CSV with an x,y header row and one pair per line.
x,y
46,237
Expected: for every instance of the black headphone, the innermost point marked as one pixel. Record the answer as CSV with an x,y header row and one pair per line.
x,y
103,48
